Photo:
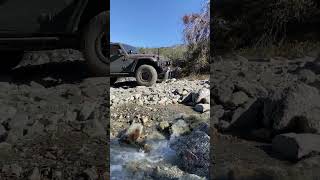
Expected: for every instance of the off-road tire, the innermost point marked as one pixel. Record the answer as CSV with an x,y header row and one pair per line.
x,y
97,61
152,75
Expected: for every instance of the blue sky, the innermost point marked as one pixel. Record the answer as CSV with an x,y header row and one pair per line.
x,y
150,23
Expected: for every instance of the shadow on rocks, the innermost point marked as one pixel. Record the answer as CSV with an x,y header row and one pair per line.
x,y
50,74
125,84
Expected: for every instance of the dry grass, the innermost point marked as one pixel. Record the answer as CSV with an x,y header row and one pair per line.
x,y
288,50
193,77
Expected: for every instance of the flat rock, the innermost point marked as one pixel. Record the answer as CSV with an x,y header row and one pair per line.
x,y
294,146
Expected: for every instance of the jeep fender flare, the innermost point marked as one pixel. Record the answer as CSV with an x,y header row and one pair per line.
x,y
146,61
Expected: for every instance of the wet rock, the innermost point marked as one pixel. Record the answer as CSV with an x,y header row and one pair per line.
x,y
133,134
202,108
180,127
165,172
295,146
193,151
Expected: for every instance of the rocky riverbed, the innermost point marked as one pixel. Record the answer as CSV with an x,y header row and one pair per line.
x,y
265,114
160,132
53,119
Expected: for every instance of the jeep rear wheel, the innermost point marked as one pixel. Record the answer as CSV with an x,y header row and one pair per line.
x,y
146,75
95,44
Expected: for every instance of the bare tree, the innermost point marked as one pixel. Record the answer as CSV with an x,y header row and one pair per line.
x,y
196,36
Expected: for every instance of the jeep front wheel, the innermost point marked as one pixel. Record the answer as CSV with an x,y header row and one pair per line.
x,y
95,44
146,75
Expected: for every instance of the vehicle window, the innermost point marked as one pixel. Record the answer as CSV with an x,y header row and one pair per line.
x,y
114,50
129,48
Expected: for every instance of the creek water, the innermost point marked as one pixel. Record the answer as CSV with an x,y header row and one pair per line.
x,y
121,156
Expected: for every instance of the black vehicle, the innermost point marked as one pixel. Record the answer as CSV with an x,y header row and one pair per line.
x,y
55,24
126,61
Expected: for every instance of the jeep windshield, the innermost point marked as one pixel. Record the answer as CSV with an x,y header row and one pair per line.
x,y
130,49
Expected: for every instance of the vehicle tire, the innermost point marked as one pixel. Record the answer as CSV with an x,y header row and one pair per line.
x,y
95,44
146,75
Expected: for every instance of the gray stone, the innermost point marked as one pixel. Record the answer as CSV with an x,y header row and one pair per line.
x,y
238,98
307,76
203,96
87,109
217,111
35,174
294,146
202,108
297,106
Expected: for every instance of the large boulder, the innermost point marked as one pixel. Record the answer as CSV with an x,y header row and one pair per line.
x,y
296,108
193,149
294,146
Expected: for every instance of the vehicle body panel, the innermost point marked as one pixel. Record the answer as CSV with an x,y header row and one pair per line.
x,y
45,24
36,17
125,64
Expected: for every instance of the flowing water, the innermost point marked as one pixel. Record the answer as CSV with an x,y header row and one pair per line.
x,y
122,156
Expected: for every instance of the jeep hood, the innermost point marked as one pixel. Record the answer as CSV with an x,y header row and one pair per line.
x,y
138,56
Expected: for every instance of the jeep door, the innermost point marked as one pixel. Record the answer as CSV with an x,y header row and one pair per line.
x,y
119,63
36,17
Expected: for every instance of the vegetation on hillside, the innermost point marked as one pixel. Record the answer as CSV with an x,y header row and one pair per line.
x,y
260,24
